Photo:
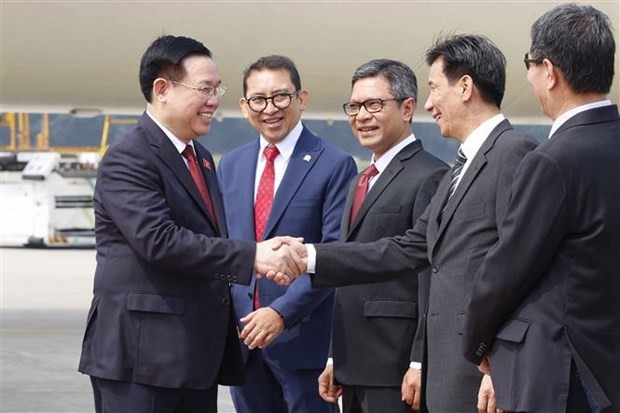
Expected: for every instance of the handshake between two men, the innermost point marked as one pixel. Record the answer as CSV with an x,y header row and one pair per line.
x,y
281,259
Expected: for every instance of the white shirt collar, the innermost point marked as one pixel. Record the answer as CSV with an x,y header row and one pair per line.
x,y
178,143
387,157
560,120
476,138
286,145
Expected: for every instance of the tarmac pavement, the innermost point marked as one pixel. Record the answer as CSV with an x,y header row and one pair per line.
x,y
44,299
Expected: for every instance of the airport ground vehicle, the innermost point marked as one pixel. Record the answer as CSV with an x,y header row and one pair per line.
x,y
46,193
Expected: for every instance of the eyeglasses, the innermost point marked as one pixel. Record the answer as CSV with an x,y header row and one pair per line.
x,y
371,106
205,91
529,61
279,100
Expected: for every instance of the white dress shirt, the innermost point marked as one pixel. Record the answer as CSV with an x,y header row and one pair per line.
x,y
285,147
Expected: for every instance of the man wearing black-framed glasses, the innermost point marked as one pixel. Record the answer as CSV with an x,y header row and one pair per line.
x,y
455,231
374,326
287,181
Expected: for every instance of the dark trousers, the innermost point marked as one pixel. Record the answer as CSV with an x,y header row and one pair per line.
x,y
364,399
113,396
270,388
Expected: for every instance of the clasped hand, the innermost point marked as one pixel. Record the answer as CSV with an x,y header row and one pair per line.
x,y
281,259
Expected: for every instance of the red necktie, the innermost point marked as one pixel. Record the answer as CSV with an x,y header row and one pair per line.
x,y
360,191
194,170
264,199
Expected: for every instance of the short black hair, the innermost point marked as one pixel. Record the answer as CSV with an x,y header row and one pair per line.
x,y
272,62
474,55
164,57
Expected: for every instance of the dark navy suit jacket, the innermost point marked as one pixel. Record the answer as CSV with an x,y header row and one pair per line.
x,y
308,203
547,295
161,313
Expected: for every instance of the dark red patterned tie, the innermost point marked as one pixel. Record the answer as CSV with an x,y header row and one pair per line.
x,y
194,170
264,200
360,191
264,194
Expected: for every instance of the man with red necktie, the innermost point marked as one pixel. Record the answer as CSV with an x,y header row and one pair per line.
x,y
286,182
160,334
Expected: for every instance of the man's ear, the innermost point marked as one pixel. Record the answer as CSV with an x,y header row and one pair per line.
x,y
243,105
408,106
160,89
553,74
304,98
466,87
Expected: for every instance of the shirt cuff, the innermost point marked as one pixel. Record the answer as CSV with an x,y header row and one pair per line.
x,y
311,258
415,365
330,361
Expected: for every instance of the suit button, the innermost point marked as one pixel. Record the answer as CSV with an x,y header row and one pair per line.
x,y
235,279
225,300
435,269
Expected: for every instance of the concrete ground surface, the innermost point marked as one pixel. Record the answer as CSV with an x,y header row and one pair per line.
x,y
44,300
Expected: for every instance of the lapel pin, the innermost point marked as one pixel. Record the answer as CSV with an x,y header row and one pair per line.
x,y
206,164
307,157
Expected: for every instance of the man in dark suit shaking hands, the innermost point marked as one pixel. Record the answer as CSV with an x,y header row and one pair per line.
x,y
160,333
466,79
545,305
375,324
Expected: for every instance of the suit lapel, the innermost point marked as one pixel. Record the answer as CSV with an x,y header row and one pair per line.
x,y
167,152
345,233
247,160
384,180
306,152
470,176
437,206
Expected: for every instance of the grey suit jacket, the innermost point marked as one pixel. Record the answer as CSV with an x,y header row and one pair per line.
x,y
394,203
548,294
454,249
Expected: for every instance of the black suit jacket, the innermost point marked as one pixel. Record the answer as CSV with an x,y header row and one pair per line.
x,y
548,293
161,312
374,324
454,246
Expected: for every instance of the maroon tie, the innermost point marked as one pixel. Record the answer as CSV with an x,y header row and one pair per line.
x,y
194,170
360,191
264,200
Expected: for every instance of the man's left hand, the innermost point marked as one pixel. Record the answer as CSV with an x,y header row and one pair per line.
x,y
262,326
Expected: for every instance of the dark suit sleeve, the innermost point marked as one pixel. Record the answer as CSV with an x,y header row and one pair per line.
x,y
134,199
361,263
530,235
300,298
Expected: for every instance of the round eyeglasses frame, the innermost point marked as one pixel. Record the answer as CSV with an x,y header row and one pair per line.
x,y
259,103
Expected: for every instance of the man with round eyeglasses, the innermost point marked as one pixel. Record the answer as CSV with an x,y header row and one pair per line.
x,y
288,181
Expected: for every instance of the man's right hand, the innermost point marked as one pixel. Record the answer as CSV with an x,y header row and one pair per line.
x,y
411,388
275,256
295,248
329,391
